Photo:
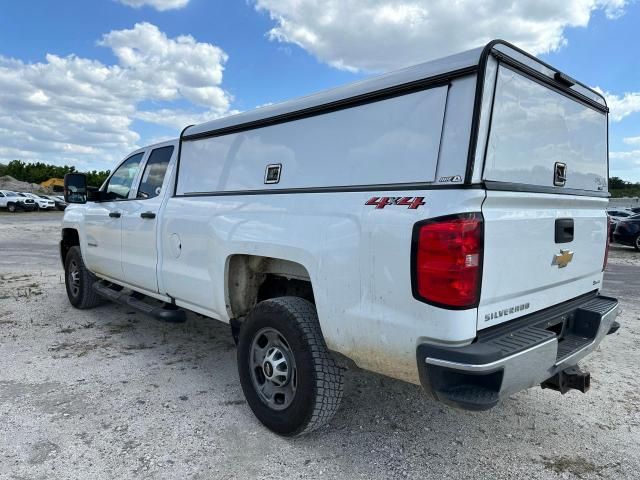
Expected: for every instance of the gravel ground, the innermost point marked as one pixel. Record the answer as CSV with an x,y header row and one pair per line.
x,y
109,393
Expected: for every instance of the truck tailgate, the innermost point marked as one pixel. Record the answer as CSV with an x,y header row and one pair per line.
x,y
532,260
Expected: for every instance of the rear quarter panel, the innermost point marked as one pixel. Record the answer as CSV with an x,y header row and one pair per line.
x,y
357,256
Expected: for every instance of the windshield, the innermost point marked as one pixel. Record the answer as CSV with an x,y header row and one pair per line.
x,y
534,128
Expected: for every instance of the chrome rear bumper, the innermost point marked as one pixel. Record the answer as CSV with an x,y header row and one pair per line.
x,y
518,355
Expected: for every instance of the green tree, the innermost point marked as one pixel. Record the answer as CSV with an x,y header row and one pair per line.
x,y
39,172
616,183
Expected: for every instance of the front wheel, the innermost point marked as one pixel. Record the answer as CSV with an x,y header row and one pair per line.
x,y
289,378
11,207
79,281
637,243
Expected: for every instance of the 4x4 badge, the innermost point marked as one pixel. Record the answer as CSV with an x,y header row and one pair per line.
x,y
411,202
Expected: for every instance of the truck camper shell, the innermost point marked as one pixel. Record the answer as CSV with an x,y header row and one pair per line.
x,y
441,110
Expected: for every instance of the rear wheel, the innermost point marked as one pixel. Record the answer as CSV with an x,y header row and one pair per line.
x,y
288,376
79,281
637,243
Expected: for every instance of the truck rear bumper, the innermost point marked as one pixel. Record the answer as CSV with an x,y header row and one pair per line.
x,y
518,355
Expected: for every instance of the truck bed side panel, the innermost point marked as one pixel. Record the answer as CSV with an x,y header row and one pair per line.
x,y
357,256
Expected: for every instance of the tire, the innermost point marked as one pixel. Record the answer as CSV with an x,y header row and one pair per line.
x,y
636,243
11,207
287,327
79,281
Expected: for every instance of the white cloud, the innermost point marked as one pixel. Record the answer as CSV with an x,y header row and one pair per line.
x,y
625,165
178,119
621,106
376,35
82,110
631,140
157,4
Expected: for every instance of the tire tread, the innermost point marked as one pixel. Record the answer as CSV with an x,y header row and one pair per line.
x,y
88,296
328,374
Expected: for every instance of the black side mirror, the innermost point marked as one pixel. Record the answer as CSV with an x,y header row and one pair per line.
x,y
93,194
75,188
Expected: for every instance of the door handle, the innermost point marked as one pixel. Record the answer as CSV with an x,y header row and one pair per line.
x,y
564,230
115,214
148,215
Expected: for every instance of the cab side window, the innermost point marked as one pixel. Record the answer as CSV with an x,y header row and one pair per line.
x,y
121,181
154,171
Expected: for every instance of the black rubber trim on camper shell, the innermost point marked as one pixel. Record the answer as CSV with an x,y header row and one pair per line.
x,y
175,178
541,79
383,187
525,187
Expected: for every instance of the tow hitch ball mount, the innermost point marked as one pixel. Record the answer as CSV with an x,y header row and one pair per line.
x,y
571,378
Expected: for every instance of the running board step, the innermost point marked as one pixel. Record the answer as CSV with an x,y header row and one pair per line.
x,y
165,313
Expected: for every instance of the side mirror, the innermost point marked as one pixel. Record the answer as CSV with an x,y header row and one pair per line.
x,y
93,194
75,188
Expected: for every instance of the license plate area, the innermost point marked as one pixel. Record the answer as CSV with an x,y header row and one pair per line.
x,y
573,330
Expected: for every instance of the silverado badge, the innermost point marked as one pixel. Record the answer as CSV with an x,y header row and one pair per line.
x,y
563,258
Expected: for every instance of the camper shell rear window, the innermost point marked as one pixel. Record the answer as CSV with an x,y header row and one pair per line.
x,y
535,127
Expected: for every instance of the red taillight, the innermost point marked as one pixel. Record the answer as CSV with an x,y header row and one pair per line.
x,y
447,260
606,249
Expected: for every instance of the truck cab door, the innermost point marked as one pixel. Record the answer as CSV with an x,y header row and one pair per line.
x,y
140,217
103,220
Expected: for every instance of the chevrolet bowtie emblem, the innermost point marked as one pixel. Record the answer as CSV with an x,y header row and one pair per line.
x,y
563,258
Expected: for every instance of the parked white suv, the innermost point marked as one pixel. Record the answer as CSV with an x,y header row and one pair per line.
x,y
444,224
42,202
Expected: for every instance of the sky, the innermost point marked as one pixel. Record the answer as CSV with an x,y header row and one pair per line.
x,y
85,82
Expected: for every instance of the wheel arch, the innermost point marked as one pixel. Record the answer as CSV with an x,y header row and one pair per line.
x,y
250,279
70,238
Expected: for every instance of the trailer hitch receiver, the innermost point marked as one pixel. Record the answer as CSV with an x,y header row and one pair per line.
x,y
571,378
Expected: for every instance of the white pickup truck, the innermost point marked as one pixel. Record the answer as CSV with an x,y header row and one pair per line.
x,y
443,224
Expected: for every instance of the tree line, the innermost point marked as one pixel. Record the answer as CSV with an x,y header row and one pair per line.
x,y
39,172
621,188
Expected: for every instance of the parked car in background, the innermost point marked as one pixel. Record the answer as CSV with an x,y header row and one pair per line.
x,y
59,202
612,227
628,232
615,215
14,202
635,209
43,203
618,214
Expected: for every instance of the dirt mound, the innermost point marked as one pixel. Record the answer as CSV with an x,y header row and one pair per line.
x,y
9,183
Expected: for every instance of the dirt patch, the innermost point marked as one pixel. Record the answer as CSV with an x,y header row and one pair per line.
x,y
622,255
578,466
78,348
43,451
20,286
